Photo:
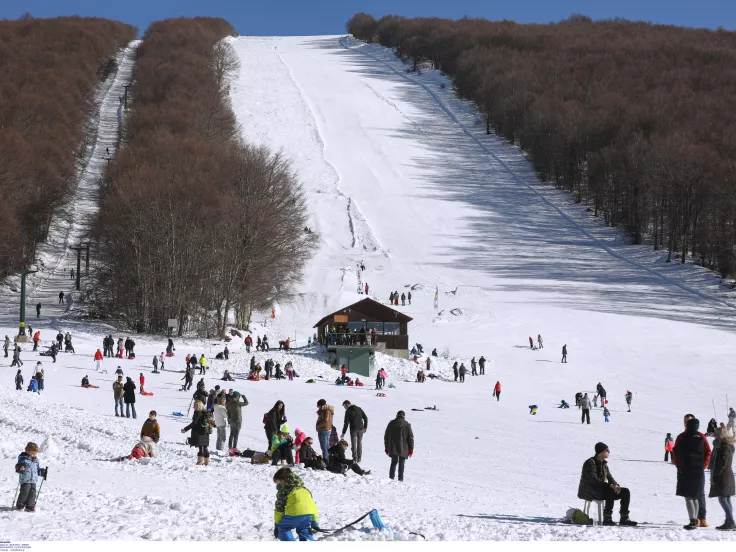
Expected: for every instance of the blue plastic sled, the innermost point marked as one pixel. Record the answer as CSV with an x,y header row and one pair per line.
x,y
177,414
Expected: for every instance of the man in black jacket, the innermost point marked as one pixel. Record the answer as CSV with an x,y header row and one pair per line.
x,y
398,442
597,483
337,463
358,422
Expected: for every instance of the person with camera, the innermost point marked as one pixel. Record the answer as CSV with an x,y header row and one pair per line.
x,y
281,445
201,427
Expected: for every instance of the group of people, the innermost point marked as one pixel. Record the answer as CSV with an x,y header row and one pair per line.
x,y
127,345
476,368
342,335
393,298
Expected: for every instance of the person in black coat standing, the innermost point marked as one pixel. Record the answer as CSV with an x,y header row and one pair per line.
x,y
721,476
398,442
597,483
200,436
357,421
691,459
274,419
129,397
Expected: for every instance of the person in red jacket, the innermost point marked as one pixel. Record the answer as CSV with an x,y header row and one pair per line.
x,y
142,381
36,339
531,342
497,391
98,360
700,521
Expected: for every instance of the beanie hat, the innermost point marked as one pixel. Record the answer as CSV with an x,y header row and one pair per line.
x,y
693,425
236,394
284,428
401,414
600,447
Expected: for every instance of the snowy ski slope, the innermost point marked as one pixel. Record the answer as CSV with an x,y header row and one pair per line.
x,y
399,174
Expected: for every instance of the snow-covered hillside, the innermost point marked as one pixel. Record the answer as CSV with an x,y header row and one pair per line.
x,y
400,175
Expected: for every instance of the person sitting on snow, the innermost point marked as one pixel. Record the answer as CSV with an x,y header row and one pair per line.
x,y
358,383
226,376
309,457
339,464
533,409
563,404
420,376
414,353
145,448
85,381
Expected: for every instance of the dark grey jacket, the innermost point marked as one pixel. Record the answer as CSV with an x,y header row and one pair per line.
x,y
355,418
721,472
594,479
399,438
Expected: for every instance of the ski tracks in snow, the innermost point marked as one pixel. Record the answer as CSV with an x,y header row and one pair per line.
x,y
363,237
359,47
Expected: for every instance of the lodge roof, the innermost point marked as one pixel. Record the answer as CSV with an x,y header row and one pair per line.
x,y
372,308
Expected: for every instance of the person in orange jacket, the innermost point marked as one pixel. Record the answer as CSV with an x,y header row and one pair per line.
x,y
98,360
142,380
497,391
36,339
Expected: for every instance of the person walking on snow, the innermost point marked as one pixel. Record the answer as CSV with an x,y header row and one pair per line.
x,y
606,414
685,453
398,442
692,455
357,421
142,381
454,370
629,396
585,405
564,353
6,346
36,340
129,397
155,364
473,365
531,342
38,310
409,298
482,365
497,391
16,357
539,341
61,297
98,360
19,381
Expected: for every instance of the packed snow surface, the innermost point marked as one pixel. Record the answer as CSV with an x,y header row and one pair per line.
x,y
400,175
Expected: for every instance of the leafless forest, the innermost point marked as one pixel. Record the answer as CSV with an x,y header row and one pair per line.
x,y
636,120
194,223
48,72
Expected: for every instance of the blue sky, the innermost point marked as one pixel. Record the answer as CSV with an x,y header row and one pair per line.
x,y
305,17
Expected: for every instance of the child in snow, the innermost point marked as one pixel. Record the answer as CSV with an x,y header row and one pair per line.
x,y
30,470
295,508
669,446
145,448
533,409
142,380
19,381
595,401
563,404
300,437
151,428
606,413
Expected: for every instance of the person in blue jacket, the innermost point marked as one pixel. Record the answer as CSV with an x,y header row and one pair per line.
x,y
30,470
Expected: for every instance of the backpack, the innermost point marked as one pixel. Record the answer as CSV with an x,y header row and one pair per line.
x,y
579,518
265,418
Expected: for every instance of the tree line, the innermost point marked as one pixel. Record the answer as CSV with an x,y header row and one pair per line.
x,y
194,223
49,69
632,118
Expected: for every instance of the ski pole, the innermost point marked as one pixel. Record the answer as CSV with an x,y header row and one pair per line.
x,y
16,492
190,406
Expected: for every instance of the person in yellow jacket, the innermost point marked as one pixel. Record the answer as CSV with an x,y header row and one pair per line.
x,y
295,508
202,364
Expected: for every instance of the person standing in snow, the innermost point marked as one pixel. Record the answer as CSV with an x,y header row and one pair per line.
x,y
497,391
428,363
129,397
202,364
564,353
669,446
597,483
403,299
473,370
482,365
155,363
391,298
188,379
462,371
150,428
118,390
221,414
585,405
142,381
98,360
686,451
38,310
721,476
408,296
6,346
531,342
19,381
606,414
61,297
273,420
200,436
325,414
30,470
629,396
692,455
398,442
235,417
366,288
539,341
357,421
16,357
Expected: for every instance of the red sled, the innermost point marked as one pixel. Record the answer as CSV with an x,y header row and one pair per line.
x,y
380,394
146,393
169,354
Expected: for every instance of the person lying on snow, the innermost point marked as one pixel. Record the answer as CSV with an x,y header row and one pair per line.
x,y
339,464
295,508
145,448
